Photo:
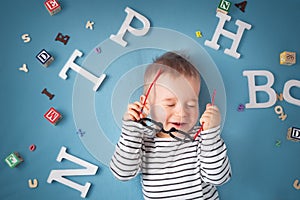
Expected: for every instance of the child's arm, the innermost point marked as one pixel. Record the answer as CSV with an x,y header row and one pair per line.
x,y
214,163
125,163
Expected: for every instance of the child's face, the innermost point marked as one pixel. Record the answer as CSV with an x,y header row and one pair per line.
x,y
174,102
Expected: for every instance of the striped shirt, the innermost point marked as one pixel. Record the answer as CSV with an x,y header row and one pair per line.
x,y
172,169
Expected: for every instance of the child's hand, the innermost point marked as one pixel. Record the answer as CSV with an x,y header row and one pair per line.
x,y
134,111
211,117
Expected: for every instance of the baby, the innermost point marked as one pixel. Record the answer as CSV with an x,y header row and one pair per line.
x,y
171,168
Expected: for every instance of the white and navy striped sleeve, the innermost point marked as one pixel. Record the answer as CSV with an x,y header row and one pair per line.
x,y
126,161
214,163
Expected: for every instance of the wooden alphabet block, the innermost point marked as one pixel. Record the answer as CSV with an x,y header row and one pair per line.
x,y
53,116
44,58
293,134
224,6
13,159
287,58
52,6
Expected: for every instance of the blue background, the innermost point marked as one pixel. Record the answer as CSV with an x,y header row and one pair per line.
x,y
261,170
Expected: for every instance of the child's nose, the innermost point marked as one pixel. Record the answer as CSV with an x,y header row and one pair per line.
x,y
180,110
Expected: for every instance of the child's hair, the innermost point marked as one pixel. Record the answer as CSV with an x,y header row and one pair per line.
x,y
171,63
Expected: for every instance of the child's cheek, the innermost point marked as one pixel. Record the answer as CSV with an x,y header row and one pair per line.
x,y
158,113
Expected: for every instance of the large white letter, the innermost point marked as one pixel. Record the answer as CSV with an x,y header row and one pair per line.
x,y
71,64
286,92
264,88
126,27
235,37
58,175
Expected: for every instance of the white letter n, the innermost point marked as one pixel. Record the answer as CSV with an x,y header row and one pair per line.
x,y
58,175
235,37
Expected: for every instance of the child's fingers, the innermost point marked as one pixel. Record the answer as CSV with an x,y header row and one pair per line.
x,y
137,106
210,108
133,111
209,105
134,115
128,116
211,112
211,117
205,120
146,104
146,110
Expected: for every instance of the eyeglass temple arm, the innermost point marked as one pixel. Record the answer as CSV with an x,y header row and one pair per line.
x,y
199,131
149,89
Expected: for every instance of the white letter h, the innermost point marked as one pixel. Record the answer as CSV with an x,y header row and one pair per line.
x,y
235,37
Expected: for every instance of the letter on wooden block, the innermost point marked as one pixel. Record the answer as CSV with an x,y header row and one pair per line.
x,y
224,6
44,58
293,134
13,159
52,6
58,175
53,116
287,58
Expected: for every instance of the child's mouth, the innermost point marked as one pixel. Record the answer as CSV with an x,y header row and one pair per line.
x,y
177,125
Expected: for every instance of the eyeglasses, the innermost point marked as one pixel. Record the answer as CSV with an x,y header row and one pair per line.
x,y
173,132
158,127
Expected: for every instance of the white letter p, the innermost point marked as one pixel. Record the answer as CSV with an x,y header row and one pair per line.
x,y
126,26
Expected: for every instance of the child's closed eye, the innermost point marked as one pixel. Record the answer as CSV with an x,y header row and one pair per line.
x,y
170,105
191,104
